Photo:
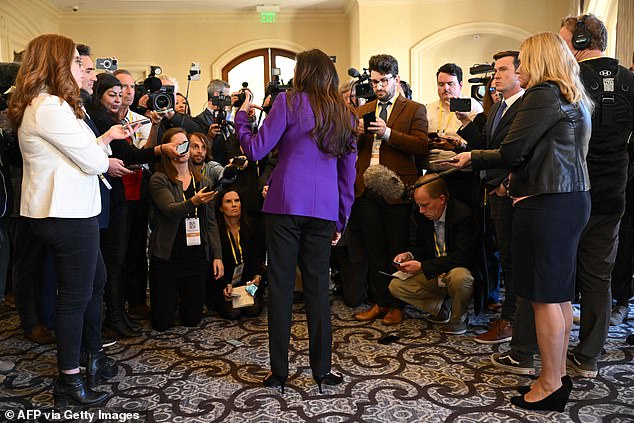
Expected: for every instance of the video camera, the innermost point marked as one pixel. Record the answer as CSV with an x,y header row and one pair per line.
x,y
221,101
478,90
242,96
159,96
275,87
362,89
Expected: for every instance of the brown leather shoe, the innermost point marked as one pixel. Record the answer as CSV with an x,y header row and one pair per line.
x,y
393,317
40,335
374,312
499,331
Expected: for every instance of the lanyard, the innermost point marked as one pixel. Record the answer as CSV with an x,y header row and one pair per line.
x,y
442,128
185,199
444,247
233,250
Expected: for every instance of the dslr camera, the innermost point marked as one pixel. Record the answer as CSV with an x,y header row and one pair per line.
x,y
242,96
159,96
109,64
275,87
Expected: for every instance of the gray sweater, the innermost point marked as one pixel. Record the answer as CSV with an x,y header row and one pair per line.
x,y
170,209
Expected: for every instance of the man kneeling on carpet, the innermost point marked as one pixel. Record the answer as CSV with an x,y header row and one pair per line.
x,y
435,276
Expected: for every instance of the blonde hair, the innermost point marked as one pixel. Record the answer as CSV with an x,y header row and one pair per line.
x,y
45,65
546,57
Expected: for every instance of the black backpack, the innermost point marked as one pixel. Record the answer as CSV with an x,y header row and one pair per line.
x,y
613,95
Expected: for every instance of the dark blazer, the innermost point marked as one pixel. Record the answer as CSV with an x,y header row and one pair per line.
x,y
460,240
170,209
408,123
252,253
486,140
546,147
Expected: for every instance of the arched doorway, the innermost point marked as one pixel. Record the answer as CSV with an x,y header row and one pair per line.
x,y
256,68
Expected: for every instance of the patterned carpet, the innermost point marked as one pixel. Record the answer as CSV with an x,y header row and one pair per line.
x,y
193,375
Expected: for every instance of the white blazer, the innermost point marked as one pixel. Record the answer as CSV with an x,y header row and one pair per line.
x,y
62,159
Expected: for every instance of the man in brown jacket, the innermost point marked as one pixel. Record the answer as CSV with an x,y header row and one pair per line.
x,y
397,135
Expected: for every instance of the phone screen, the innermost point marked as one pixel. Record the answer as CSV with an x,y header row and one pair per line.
x,y
182,148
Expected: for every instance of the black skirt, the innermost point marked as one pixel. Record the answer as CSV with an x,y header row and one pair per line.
x,y
546,233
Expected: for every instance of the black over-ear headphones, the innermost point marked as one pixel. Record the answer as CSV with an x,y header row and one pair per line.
x,y
581,38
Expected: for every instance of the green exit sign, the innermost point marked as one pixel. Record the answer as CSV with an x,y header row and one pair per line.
x,y
267,17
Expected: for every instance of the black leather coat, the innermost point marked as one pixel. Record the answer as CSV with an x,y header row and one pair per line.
x,y
546,147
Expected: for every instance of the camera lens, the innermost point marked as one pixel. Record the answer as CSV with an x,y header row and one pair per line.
x,y
161,101
107,64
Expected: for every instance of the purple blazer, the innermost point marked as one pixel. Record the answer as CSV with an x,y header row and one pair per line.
x,y
305,181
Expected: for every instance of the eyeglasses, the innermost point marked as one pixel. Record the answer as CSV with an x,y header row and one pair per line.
x,y
78,61
491,90
382,81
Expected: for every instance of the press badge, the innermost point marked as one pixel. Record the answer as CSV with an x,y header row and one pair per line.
x,y
192,231
237,274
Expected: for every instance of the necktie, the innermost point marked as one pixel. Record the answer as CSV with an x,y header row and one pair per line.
x,y
498,117
383,112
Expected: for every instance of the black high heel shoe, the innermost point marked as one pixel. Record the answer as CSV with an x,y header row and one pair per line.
x,y
565,381
272,381
553,402
72,390
328,379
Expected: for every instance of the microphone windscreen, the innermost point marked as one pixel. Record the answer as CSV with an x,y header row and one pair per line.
x,y
353,73
152,84
384,182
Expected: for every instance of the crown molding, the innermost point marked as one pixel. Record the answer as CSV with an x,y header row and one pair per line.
x,y
142,16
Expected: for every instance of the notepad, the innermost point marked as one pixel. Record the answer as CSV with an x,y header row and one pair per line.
x,y
243,300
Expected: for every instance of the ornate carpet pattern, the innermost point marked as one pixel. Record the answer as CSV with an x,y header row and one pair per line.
x,y
194,375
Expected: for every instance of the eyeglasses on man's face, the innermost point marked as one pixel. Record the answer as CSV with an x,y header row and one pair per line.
x,y
383,81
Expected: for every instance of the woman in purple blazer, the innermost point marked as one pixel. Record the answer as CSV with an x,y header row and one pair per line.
x,y
307,205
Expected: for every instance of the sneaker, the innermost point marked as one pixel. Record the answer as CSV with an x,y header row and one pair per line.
x,y
107,341
455,328
618,315
586,368
443,315
499,331
506,361
6,366
576,314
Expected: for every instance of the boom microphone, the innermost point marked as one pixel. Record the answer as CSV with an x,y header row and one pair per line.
x,y
384,182
353,73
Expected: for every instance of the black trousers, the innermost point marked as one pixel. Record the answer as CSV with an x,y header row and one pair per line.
x,y
502,216
303,240
136,263
177,284
81,275
385,234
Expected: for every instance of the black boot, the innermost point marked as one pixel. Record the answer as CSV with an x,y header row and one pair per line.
x,y
119,327
99,368
72,390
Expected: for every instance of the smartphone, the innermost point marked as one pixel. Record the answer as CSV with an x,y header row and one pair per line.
x,y
367,119
133,166
396,263
389,339
433,136
140,121
251,289
182,148
386,274
235,342
459,104
441,161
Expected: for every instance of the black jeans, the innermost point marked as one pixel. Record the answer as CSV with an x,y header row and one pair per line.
x,y
177,284
81,275
502,216
304,240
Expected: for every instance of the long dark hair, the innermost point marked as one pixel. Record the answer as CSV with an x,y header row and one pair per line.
x,y
335,124
46,64
220,217
104,82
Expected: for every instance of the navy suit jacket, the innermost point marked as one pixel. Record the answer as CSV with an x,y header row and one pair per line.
x,y
491,141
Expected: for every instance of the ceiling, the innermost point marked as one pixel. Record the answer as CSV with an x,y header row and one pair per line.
x,y
202,5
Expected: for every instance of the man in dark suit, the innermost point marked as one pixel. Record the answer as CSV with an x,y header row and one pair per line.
x,y
394,139
443,252
506,82
220,137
